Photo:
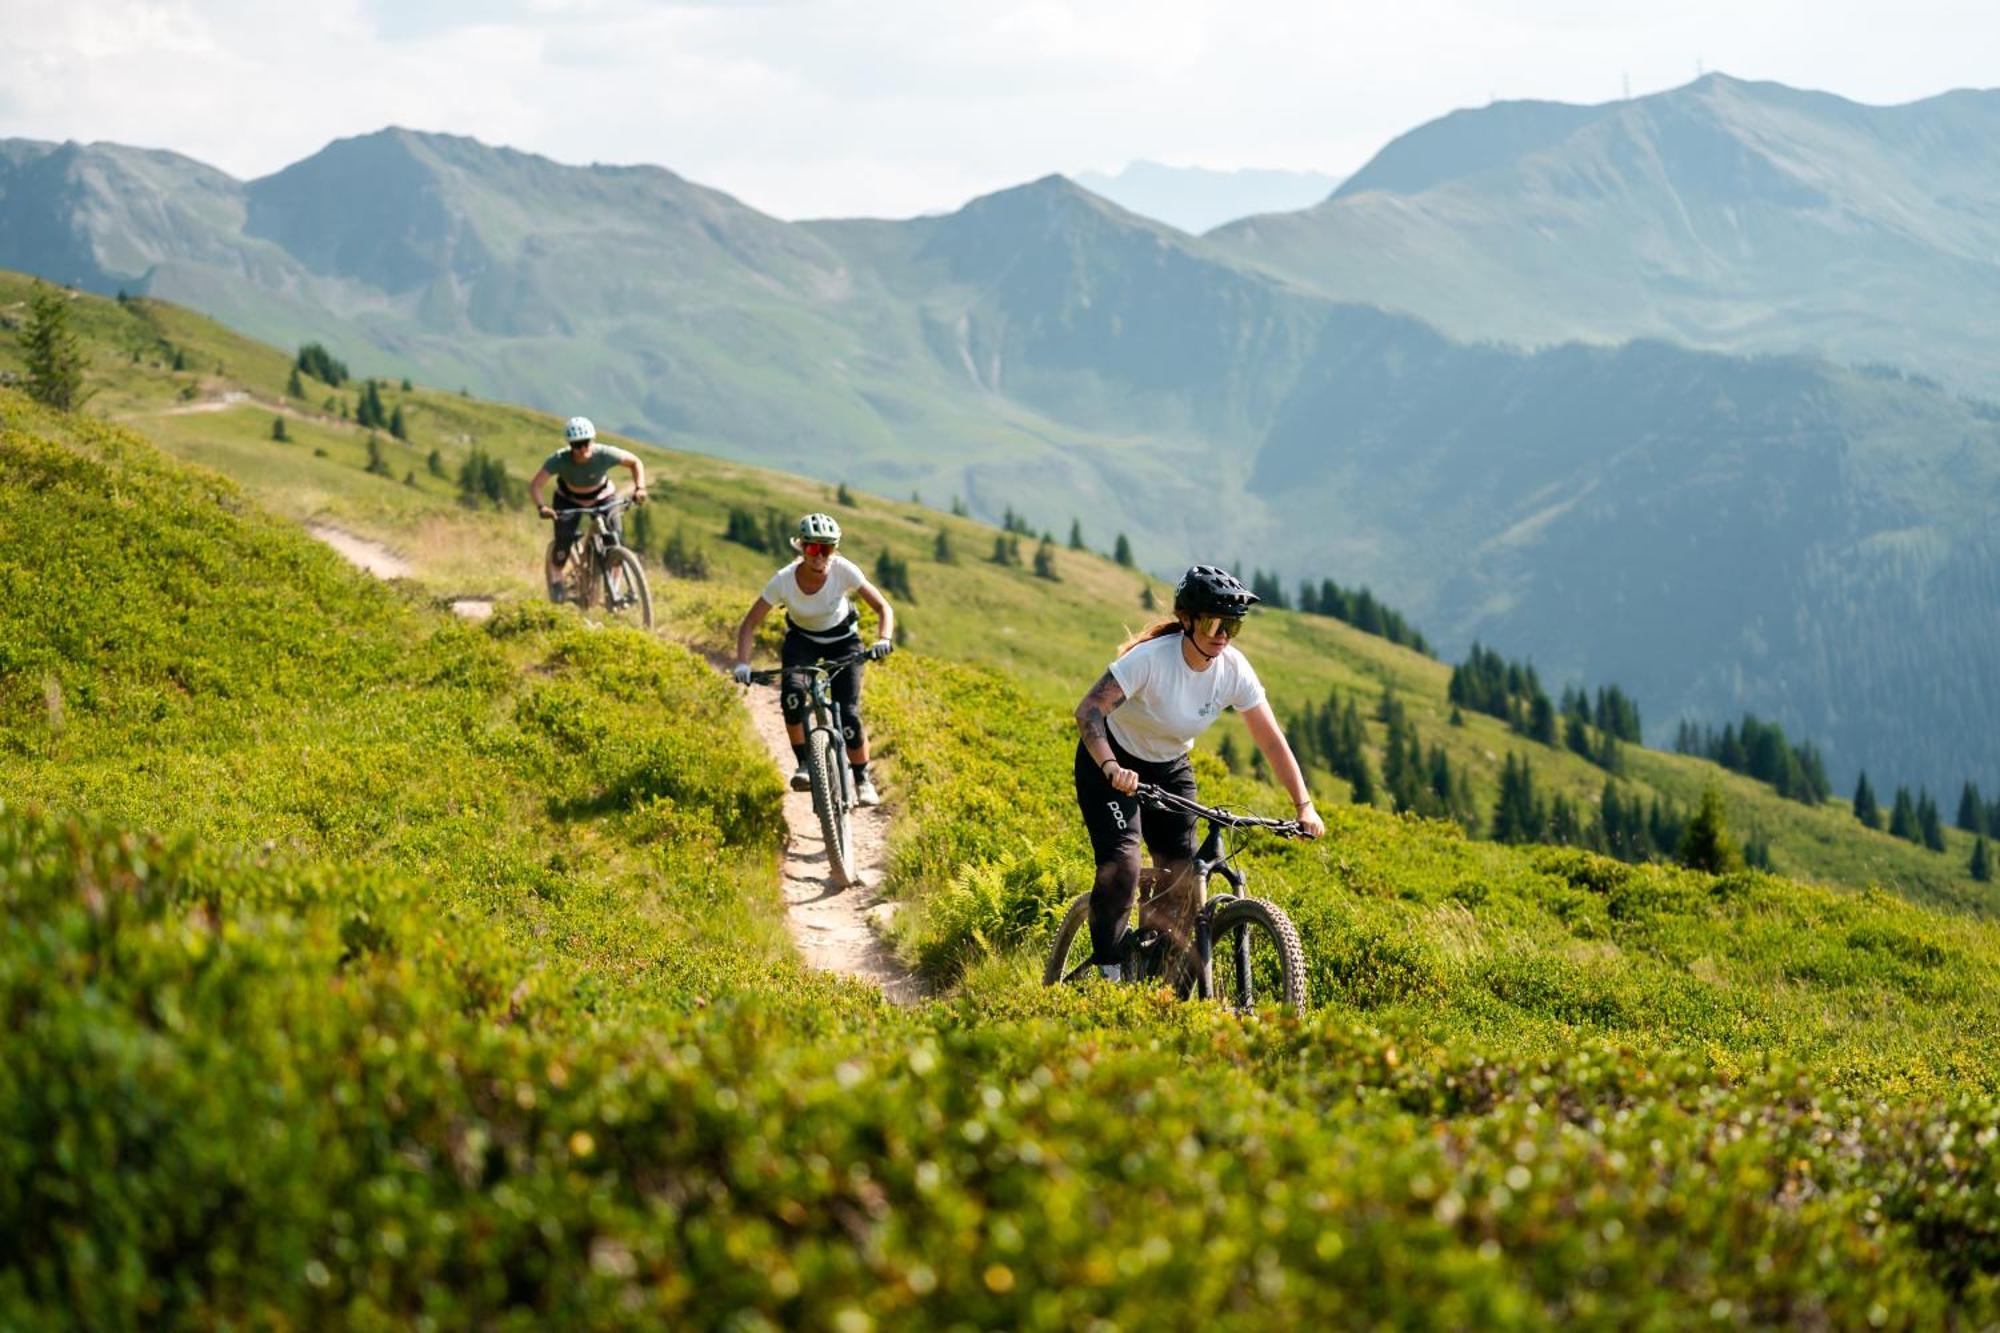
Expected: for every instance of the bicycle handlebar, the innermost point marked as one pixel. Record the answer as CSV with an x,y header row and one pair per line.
x,y
619,502
830,665
1162,799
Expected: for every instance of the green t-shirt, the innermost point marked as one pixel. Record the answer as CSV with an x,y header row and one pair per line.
x,y
587,477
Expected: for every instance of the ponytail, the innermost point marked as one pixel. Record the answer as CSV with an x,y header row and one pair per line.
x,y
1157,630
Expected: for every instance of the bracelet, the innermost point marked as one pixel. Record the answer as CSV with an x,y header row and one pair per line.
x,y
1300,805
1109,763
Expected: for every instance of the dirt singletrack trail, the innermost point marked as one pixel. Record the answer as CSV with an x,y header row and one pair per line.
x,y
832,926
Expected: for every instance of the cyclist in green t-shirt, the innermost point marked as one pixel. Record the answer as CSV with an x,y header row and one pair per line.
x,y
582,474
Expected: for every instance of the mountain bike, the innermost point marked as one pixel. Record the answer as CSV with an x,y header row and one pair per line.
x,y
599,567
1231,947
826,758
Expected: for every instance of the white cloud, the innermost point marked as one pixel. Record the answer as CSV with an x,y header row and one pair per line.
x,y
888,107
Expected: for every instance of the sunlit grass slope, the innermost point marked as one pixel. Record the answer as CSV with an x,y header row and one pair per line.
x,y
446,988
1052,639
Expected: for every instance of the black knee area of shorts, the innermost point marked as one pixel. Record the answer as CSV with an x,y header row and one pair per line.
x,y
851,729
793,695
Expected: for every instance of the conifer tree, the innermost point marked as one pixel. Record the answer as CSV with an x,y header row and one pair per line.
x,y
1122,551
278,430
1045,561
958,508
1707,845
52,351
1865,808
1903,817
1232,758
435,463
377,464
941,548
1981,866
1146,600
1929,822
1971,810
396,426
294,388
1514,808
844,497
1076,534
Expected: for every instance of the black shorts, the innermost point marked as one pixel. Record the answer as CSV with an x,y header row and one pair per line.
x,y
1115,820
797,651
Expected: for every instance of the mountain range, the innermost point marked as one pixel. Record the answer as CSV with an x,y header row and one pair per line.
x,y
1778,501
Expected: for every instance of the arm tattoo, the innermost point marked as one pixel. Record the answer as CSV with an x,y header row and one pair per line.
x,y
1104,696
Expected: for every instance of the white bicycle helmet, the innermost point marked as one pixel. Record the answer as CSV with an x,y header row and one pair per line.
x,y
817,528
578,429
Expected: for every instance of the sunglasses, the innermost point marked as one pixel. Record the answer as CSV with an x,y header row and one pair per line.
x,y
1226,626
817,548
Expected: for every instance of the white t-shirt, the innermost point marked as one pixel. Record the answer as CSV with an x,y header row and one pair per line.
x,y
1168,703
822,611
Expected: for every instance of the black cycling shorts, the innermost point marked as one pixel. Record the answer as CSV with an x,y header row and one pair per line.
x,y
796,651
1114,819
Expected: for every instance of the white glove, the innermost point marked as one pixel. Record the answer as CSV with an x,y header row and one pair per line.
x,y
881,649
741,671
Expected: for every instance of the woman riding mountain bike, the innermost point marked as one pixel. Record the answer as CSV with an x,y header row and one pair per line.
x,y
821,623
1138,723
582,470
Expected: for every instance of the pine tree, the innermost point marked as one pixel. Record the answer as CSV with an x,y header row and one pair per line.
x,y
377,464
278,430
1045,561
844,497
1147,601
1706,845
53,354
1971,810
407,386
1981,866
1514,808
1122,551
1903,817
1232,758
1929,822
639,531
1865,808
941,548
435,463
1076,534
396,426
180,358
1000,556
959,509
294,388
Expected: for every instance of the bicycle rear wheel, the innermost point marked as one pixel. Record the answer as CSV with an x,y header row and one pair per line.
x,y
1256,956
581,569
625,585
829,795
1069,955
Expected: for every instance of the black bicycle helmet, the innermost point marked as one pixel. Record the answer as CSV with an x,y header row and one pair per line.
x,y
1208,591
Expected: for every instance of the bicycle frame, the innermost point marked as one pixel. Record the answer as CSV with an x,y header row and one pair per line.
x,y
593,541
823,711
1211,858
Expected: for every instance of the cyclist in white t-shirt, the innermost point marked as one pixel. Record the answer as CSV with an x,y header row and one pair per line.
x,y
1138,723
821,623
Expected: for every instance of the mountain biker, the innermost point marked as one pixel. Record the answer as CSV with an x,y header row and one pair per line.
x,y
581,469
1137,724
821,623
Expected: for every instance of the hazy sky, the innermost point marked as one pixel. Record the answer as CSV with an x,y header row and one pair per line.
x,y
891,107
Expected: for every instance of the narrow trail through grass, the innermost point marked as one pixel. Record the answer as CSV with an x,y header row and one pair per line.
x,y
833,927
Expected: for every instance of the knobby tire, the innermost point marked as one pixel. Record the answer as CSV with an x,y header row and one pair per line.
x,y
1256,956
824,761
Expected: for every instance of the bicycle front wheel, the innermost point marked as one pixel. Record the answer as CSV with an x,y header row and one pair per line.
x,y
625,585
829,795
1256,956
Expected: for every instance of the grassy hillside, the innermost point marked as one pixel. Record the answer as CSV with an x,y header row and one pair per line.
x,y
1049,638
445,987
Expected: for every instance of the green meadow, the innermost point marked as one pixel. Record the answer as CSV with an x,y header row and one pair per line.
x,y
366,966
